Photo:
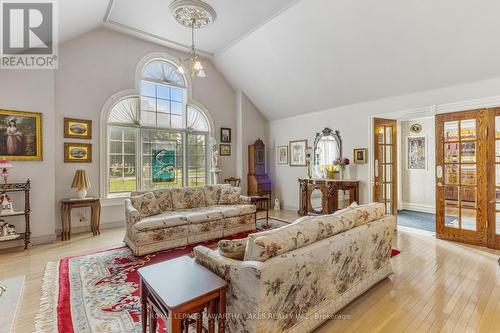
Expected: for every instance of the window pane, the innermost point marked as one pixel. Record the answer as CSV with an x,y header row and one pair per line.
x,y
116,147
129,147
115,161
176,121
451,152
115,133
468,152
163,106
176,94
163,120
148,104
129,134
163,92
148,89
468,129
177,108
451,131
148,118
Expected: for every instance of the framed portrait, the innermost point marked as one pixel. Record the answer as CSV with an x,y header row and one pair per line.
x,y
417,153
225,135
77,128
360,155
20,135
225,150
282,154
77,152
297,151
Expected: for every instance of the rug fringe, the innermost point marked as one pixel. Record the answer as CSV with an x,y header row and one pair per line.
x,y
46,318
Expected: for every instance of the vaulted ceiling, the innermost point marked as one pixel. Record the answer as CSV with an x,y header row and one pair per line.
x,y
292,57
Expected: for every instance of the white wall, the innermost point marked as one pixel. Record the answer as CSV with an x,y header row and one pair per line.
x,y
253,126
102,62
353,123
33,91
418,190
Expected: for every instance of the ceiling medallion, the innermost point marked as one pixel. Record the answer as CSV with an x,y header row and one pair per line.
x,y
192,13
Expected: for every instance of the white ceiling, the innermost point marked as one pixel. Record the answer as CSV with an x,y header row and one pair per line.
x,y
235,18
79,16
321,54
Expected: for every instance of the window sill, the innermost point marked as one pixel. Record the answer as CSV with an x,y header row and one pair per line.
x,y
113,201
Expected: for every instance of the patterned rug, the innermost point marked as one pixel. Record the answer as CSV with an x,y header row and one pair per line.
x,y
9,302
99,292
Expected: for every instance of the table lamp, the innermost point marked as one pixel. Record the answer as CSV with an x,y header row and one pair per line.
x,y
81,183
5,166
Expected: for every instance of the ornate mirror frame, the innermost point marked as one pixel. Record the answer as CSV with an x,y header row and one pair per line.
x,y
327,132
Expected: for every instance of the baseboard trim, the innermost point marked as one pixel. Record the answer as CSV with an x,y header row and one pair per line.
x,y
419,208
86,228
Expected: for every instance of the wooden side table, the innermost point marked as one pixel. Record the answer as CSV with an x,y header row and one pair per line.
x,y
262,204
180,289
68,204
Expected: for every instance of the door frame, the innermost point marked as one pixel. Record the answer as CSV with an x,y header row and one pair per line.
x,y
492,238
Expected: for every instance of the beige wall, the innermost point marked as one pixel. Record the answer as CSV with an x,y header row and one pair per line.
x,y
33,91
101,63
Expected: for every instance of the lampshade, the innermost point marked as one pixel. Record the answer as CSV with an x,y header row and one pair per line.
x,y
80,180
4,164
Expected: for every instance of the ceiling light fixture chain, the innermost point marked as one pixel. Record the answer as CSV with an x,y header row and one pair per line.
x,y
194,14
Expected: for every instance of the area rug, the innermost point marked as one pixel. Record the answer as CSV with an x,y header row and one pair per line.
x,y
99,292
9,302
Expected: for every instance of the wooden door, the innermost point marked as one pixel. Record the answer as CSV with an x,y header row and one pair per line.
x,y
385,163
461,176
493,179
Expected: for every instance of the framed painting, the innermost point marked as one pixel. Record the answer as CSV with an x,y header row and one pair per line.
x,y
225,135
163,162
225,150
360,155
417,153
282,154
77,128
297,152
20,135
77,152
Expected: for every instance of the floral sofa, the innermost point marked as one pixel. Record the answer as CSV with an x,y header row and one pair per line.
x,y
294,278
170,218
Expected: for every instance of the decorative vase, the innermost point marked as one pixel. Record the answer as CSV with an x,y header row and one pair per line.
x,y
81,193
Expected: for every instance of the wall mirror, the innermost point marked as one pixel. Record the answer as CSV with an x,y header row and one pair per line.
x,y
327,148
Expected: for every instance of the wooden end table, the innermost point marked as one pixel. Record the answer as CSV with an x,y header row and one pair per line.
x,y
262,203
68,204
179,289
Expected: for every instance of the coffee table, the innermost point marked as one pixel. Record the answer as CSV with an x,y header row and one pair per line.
x,y
180,289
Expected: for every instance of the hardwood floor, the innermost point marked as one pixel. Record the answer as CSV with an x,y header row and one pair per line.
x,y
437,286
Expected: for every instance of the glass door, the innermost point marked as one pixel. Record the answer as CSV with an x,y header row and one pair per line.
x,y
494,179
385,157
461,176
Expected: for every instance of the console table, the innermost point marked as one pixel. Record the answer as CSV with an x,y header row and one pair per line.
x,y
19,187
325,192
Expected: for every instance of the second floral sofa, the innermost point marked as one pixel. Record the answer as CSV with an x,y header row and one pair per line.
x,y
169,218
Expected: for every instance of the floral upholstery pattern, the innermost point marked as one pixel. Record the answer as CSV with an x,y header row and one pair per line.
x,y
230,195
297,290
234,249
370,212
271,243
170,218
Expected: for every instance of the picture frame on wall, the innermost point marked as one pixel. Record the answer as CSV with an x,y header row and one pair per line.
x,y
77,128
282,154
77,152
297,151
20,135
225,135
360,155
225,150
417,153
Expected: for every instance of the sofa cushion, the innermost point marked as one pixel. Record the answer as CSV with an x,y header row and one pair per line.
x,y
161,221
370,212
267,244
164,199
229,195
187,197
234,249
235,210
350,213
146,204
330,225
212,194
202,215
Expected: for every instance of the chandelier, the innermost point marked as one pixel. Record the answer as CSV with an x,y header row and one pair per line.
x,y
193,14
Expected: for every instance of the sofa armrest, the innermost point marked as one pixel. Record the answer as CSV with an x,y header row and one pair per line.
x,y
132,215
245,200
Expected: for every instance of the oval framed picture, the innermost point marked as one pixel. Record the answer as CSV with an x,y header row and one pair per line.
x,y
77,128
416,128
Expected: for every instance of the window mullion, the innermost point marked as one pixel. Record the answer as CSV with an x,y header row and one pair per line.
x,y
185,172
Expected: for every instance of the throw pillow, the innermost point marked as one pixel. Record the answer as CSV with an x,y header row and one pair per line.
x,y
164,199
212,194
234,249
229,195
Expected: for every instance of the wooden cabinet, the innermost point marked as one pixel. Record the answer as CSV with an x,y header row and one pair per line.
x,y
258,181
321,196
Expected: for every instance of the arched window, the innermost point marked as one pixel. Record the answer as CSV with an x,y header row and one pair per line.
x,y
155,139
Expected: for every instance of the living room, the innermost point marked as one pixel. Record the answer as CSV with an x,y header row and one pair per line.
x,y
236,139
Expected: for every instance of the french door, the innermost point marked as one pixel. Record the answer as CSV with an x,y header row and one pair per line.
x,y
493,225
461,176
385,165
